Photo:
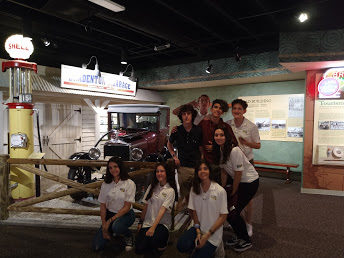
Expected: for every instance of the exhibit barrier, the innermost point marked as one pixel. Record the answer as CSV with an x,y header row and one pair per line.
x,y
140,169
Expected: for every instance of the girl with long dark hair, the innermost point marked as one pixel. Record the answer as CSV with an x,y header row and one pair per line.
x,y
156,216
208,206
245,184
116,196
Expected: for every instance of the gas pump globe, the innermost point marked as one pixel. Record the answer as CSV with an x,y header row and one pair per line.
x,y
20,113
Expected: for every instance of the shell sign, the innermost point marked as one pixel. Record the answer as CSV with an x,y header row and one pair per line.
x,y
332,84
19,47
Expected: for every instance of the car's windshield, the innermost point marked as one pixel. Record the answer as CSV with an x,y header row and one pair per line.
x,y
134,121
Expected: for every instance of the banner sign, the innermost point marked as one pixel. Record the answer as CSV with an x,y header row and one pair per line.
x,y
332,84
85,79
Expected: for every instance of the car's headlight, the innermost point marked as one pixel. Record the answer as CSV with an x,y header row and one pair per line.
x,y
136,154
94,153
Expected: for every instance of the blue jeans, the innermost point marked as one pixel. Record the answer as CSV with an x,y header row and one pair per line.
x,y
145,244
186,244
119,227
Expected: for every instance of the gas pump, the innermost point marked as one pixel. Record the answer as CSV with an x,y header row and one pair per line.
x,y
20,113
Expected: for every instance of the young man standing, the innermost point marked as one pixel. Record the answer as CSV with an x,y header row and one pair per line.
x,y
208,124
248,137
187,139
202,104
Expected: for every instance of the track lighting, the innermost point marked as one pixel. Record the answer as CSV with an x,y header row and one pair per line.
x,y
162,47
132,74
96,66
209,67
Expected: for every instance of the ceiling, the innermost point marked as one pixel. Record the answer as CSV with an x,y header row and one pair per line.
x,y
197,30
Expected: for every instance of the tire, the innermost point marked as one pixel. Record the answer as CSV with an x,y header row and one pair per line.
x,y
79,175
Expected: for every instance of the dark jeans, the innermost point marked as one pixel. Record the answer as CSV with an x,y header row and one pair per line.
x,y
145,243
246,191
186,244
119,227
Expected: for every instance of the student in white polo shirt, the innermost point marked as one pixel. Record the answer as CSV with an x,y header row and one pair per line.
x,y
156,216
208,206
234,163
116,196
247,135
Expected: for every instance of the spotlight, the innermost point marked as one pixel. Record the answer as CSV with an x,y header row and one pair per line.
x,y
303,17
132,74
162,47
124,58
46,42
210,66
237,57
96,66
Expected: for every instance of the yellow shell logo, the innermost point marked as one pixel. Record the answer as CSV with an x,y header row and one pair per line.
x,y
164,195
122,189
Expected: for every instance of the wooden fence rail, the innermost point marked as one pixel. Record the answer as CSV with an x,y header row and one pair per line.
x,y
142,168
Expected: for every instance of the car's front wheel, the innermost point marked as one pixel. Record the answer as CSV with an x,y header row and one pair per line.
x,y
78,175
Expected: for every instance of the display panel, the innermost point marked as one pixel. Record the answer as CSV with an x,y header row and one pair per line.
x,y
278,117
328,138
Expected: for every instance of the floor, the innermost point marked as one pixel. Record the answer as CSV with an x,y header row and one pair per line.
x,y
286,224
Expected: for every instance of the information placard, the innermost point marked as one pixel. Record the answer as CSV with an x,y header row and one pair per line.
x,y
328,138
278,117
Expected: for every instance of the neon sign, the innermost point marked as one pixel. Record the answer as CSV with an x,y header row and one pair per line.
x,y
332,84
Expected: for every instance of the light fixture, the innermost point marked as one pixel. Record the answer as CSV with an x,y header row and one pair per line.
x,y
46,42
237,57
96,66
162,47
209,67
303,17
132,74
110,5
124,57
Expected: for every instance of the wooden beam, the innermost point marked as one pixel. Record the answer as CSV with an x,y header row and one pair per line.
x,y
55,210
4,189
79,163
58,179
54,195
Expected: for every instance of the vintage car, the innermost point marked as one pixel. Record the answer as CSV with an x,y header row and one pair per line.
x,y
137,132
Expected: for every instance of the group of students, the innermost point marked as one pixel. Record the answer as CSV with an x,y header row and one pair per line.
x,y
205,150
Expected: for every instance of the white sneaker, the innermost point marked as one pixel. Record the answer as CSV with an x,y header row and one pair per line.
x,y
129,243
249,228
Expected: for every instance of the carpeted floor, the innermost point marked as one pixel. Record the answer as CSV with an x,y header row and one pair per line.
x,y
286,224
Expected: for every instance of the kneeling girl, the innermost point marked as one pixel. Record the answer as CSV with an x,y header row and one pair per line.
x,y
208,210
116,196
156,215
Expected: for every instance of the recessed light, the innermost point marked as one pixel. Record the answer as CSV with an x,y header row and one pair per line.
x,y
303,17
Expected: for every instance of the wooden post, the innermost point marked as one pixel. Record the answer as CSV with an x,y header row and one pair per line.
x,y
4,182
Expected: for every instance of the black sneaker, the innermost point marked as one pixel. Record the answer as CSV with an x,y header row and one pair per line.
x,y
129,243
232,242
242,246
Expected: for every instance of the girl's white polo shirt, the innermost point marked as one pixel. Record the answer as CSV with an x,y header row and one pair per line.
x,y
114,195
238,162
161,196
208,206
